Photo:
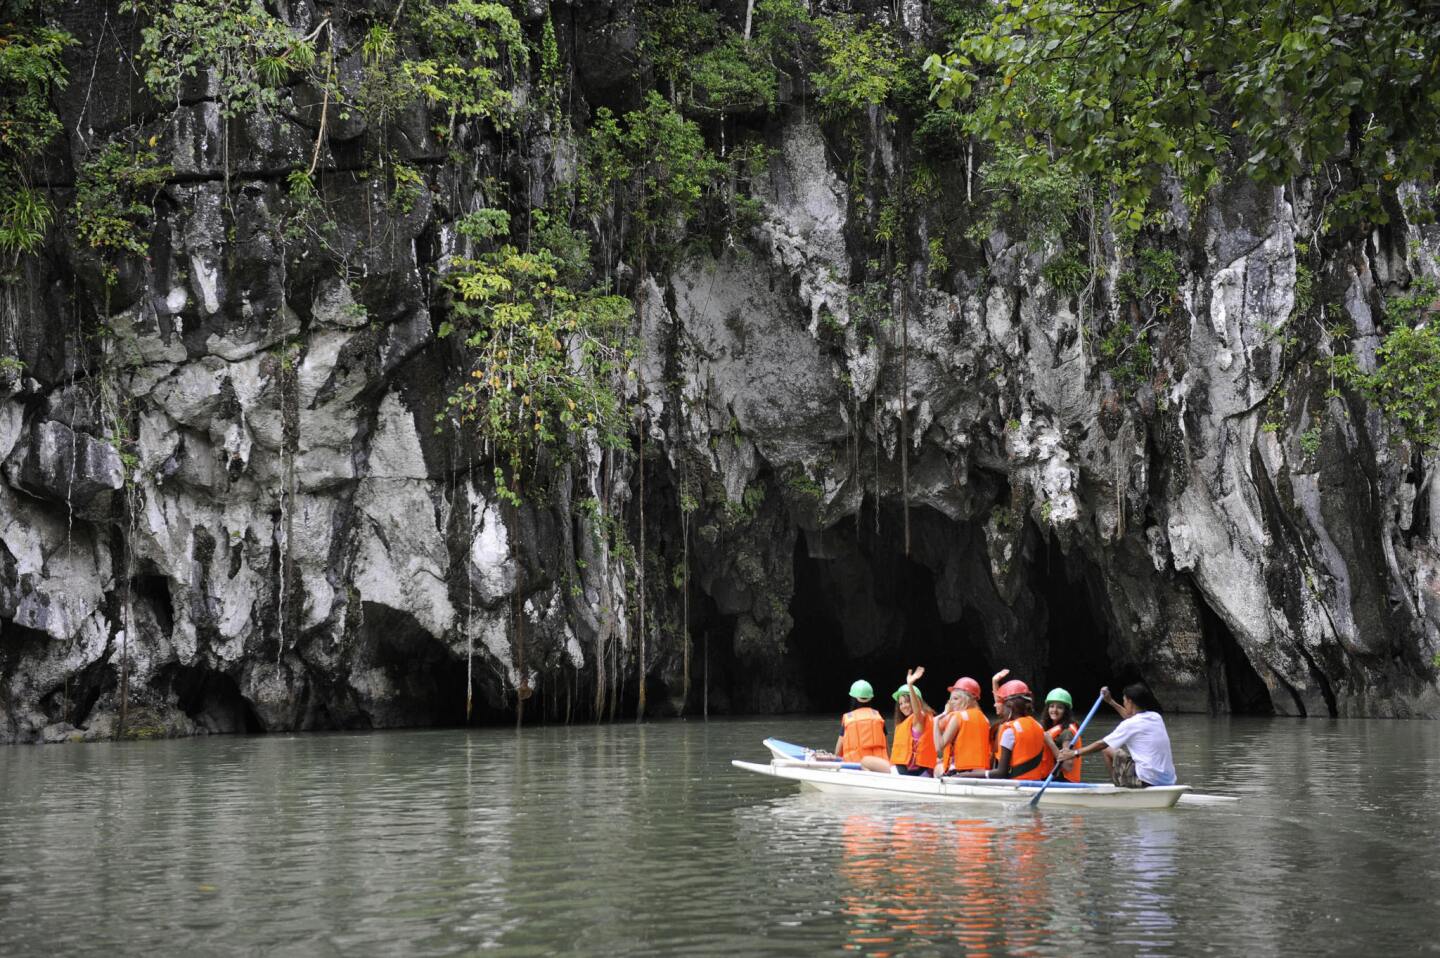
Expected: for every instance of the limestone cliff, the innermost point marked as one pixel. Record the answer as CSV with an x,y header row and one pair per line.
x,y
225,500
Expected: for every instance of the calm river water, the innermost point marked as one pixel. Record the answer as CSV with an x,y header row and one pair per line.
x,y
642,839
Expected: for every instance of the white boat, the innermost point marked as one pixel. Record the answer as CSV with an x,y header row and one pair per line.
x,y
797,764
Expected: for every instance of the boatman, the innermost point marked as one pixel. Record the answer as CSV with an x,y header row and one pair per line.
x,y
1138,751
862,729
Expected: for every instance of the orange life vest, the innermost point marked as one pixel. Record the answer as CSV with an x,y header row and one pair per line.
x,y
971,746
1030,759
906,746
1055,731
862,734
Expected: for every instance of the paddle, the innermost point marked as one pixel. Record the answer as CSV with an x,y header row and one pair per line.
x,y
1078,732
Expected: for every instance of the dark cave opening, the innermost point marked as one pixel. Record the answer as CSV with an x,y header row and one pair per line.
x,y
863,609
903,620
1235,686
213,700
155,590
1078,654
428,679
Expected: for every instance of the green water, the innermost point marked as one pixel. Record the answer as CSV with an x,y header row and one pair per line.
x,y
643,840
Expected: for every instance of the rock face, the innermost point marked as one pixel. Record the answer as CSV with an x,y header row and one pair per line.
x,y
235,513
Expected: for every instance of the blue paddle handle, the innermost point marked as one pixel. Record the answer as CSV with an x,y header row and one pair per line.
x,y
1078,732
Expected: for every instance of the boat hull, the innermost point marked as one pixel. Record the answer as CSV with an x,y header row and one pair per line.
x,y
835,779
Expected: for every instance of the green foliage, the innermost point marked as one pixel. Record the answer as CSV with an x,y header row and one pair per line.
x,y
1406,382
732,77
858,67
748,507
1145,295
672,35
805,487
409,184
1067,273
30,73
1024,197
646,174
469,47
1125,347
115,199
24,216
248,52
706,66
378,47
546,359
1130,92
1153,280
784,30
1310,440
938,262
551,81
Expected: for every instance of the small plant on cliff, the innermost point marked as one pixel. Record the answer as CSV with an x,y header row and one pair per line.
x,y
115,200
645,177
1406,381
859,68
30,72
471,48
246,51
546,359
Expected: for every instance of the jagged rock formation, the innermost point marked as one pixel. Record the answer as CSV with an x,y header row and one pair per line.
x,y
280,539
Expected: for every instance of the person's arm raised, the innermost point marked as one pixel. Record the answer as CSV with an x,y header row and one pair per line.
x,y
1110,701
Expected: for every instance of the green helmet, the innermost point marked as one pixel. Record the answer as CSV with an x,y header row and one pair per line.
x,y
1059,695
861,690
905,690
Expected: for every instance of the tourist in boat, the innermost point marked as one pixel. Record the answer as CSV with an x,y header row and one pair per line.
x,y
913,750
1138,750
1059,724
1022,749
962,732
862,729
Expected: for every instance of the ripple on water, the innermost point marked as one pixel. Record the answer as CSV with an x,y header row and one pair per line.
x,y
642,840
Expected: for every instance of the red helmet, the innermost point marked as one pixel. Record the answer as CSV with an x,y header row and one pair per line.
x,y
966,684
1013,688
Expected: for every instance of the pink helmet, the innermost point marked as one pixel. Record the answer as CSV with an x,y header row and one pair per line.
x,y
968,685
1013,688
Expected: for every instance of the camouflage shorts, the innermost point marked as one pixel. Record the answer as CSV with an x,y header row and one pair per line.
x,y
1122,769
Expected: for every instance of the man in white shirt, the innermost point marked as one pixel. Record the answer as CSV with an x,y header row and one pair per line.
x,y
1138,750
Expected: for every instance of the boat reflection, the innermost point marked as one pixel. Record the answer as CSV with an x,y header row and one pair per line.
x,y
986,885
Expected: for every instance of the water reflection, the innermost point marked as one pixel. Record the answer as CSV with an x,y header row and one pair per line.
x,y
988,885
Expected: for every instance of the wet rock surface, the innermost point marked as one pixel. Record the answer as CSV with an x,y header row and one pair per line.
x,y
235,514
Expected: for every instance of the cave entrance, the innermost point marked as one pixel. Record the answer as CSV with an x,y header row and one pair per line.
x,y
427,679
863,609
1235,686
1076,651
213,700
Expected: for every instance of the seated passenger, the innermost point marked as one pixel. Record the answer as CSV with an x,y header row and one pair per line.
x,y
913,749
962,732
1059,723
1022,749
862,729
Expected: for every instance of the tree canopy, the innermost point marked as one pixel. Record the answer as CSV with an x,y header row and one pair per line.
x,y
1277,88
